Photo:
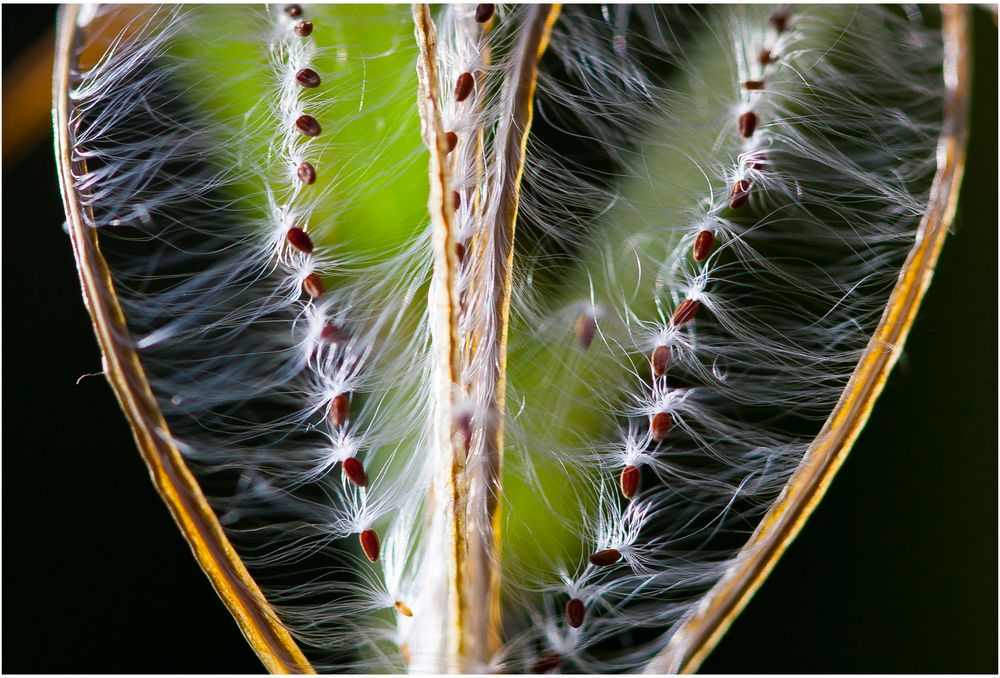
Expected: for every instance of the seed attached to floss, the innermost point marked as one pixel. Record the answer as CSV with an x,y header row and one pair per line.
x,y
456,200
332,334
312,285
747,124
740,195
687,310
586,328
307,77
340,409
629,481
605,558
306,173
753,84
703,244
403,609
451,141
575,613
780,21
460,252
484,13
294,11
303,29
308,125
765,57
369,544
547,662
659,426
660,360
463,86
355,472
300,240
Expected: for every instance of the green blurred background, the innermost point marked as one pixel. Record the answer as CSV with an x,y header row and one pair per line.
x,y
895,572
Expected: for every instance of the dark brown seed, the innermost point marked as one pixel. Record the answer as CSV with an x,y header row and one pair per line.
x,y
306,173
451,141
300,240
308,125
780,21
660,360
355,472
685,311
456,200
605,558
369,544
294,11
340,409
303,29
741,193
463,86
575,612
659,426
629,481
403,608
703,244
332,334
313,285
460,252
547,662
747,124
765,57
586,327
484,13
753,84
307,77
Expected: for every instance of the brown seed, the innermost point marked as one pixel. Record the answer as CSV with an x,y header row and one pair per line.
x,y
332,334
403,608
451,141
605,558
303,29
660,360
484,13
308,125
753,84
703,244
300,240
547,662
306,173
780,21
340,409
307,77
369,544
294,11
313,285
659,426
685,311
765,57
575,612
747,124
355,472
456,199
629,481
463,86
586,328
741,193
460,252
756,161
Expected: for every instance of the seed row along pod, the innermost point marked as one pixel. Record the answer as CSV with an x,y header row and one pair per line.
x,y
487,336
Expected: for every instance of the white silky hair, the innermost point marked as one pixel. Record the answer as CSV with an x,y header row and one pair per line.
x,y
193,199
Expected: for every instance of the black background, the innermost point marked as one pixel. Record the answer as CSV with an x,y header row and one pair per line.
x,y
895,572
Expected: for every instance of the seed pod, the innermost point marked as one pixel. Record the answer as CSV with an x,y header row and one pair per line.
x,y
307,77
300,240
629,481
605,558
575,612
355,472
660,425
369,544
